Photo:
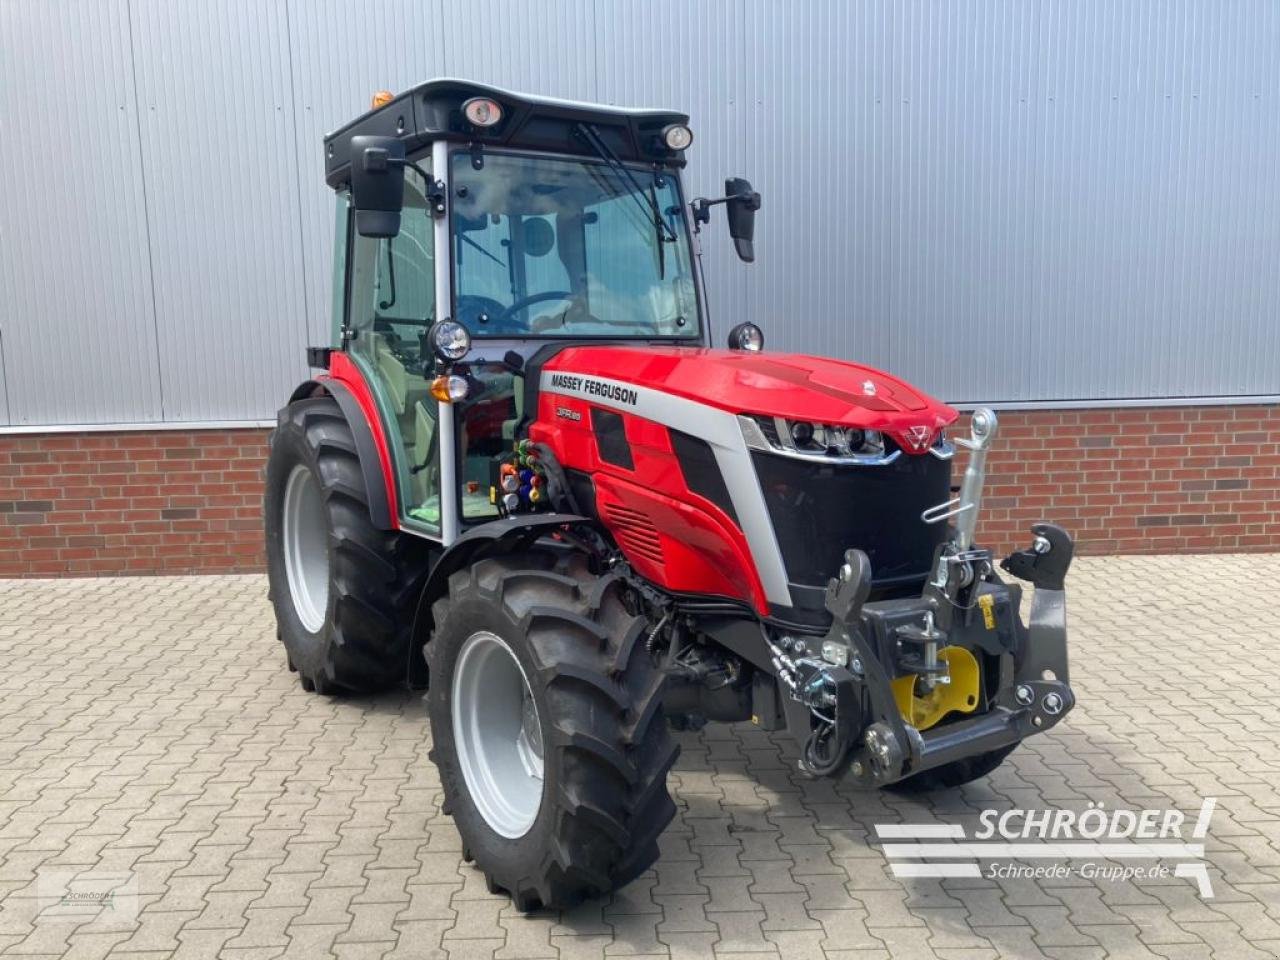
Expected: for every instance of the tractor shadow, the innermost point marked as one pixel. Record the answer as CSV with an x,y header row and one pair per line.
x,y
749,821
402,702
749,826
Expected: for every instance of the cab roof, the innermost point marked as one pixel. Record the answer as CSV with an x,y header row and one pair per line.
x,y
432,111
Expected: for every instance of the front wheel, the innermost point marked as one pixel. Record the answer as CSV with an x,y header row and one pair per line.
x,y
546,718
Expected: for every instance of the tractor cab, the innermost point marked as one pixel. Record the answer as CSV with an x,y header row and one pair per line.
x,y
474,221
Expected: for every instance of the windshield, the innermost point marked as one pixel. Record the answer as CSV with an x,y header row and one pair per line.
x,y
556,247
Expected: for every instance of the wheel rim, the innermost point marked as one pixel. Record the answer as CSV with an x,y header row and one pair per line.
x,y
497,734
306,547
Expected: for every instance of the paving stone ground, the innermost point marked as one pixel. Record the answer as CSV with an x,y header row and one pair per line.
x,y
152,741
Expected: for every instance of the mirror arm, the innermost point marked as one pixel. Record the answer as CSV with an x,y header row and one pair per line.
x,y
701,208
435,188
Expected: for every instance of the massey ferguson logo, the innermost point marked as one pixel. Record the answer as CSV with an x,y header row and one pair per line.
x,y
868,388
918,437
596,388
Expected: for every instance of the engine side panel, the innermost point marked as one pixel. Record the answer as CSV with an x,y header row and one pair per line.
x,y
671,535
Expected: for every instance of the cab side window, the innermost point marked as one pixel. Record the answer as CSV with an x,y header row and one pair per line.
x,y
390,306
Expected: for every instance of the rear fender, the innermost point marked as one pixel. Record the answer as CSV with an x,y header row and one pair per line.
x,y
370,446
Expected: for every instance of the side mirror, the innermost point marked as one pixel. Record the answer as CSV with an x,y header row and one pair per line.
x,y
377,185
741,204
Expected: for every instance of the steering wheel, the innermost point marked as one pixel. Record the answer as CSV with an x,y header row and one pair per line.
x,y
497,316
524,303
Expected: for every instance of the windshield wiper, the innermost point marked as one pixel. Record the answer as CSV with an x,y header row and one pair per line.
x,y
648,205
391,276
471,243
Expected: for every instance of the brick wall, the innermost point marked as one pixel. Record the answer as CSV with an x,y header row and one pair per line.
x,y
171,501
1121,481
1137,480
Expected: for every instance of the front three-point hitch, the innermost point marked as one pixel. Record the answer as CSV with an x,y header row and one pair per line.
x,y
908,685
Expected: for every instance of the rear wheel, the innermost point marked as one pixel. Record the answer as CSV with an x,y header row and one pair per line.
x,y
343,591
548,732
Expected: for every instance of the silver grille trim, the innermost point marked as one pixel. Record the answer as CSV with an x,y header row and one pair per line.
x,y
756,440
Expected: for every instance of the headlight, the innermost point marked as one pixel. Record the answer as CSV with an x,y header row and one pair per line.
x,y
815,441
677,136
746,336
450,340
838,441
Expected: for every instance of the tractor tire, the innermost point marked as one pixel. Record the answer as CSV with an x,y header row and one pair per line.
x,y
546,717
954,774
344,592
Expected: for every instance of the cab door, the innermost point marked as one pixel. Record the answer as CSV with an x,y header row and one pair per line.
x,y
390,306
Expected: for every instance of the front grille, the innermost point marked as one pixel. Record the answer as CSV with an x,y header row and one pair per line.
x,y
820,510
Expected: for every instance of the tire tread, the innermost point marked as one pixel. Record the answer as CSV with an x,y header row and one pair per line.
x,y
612,802
375,575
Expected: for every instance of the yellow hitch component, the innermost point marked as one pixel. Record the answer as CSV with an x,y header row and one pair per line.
x,y
960,695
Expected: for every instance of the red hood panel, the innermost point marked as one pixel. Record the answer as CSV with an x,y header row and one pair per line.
x,y
788,385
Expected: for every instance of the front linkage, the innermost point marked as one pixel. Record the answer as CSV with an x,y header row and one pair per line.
x,y
848,706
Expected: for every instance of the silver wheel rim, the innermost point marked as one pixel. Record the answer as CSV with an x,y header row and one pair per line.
x,y
306,547
497,734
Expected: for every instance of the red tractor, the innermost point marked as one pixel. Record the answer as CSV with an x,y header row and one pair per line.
x,y
526,481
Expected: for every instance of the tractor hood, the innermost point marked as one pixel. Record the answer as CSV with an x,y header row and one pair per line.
x,y
790,385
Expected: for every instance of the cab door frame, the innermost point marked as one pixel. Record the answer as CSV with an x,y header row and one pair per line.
x,y
446,421
357,363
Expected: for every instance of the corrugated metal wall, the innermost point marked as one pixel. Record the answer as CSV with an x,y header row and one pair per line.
x,y
1002,200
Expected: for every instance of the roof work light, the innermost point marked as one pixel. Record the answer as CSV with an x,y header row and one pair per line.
x,y
482,112
677,136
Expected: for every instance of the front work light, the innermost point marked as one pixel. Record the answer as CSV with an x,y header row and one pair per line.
x,y
449,388
482,112
677,136
746,336
450,340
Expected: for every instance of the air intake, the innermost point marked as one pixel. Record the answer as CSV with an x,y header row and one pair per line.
x,y
635,532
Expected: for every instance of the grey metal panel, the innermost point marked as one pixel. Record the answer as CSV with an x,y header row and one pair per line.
x,y
998,199
338,62
1159,226
4,391
963,99
670,53
215,103
76,313
819,145
544,48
